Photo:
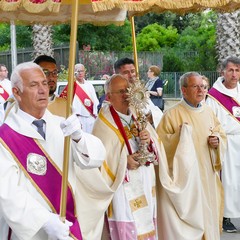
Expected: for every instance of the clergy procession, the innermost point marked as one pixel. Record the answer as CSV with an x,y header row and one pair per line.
x,y
134,172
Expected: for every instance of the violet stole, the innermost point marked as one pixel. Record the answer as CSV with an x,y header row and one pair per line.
x,y
5,94
50,183
226,101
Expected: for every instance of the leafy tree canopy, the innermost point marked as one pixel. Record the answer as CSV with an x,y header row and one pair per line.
x,y
187,40
154,37
23,36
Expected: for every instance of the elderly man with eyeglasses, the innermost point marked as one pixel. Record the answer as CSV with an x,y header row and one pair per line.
x,y
132,213
85,100
191,194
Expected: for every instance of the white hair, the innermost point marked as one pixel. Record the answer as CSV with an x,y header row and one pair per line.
x,y
78,65
109,81
16,78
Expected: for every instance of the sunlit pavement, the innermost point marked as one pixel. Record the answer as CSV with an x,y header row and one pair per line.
x,y
232,236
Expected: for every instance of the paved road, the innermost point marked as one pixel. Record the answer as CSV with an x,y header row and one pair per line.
x,y
232,236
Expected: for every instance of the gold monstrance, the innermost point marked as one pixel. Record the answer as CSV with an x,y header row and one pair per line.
x,y
138,100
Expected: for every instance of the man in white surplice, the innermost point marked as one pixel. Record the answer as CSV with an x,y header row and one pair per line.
x,y
224,99
28,160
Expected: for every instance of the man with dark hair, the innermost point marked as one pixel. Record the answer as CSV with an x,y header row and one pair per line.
x,y
126,67
224,98
122,61
49,66
44,58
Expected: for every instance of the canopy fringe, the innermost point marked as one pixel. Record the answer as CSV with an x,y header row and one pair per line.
x,y
51,5
9,6
33,7
134,7
102,5
178,6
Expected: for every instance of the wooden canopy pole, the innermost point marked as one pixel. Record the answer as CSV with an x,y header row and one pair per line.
x,y
72,57
134,46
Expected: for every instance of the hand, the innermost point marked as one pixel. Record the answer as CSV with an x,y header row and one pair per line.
x,y
180,127
144,136
149,117
213,141
56,229
132,164
72,127
148,93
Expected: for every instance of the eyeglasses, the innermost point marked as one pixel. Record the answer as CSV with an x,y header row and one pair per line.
x,y
79,71
121,91
54,73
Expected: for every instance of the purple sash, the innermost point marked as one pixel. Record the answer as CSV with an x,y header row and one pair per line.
x,y
48,185
227,102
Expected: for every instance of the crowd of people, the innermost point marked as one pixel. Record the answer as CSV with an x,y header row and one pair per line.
x,y
171,175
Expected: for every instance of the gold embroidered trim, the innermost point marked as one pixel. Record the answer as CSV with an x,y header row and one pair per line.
x,y
108,171
105,165
146,235
137,203
131,132
154,191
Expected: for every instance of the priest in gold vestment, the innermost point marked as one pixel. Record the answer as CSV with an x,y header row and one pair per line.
x,y
132,213
191,193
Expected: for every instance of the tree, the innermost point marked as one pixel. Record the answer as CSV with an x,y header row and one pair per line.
x,y
187,41
61,34
42,40
154,37
100,38
228,35
23,36
180,22
192,49
196,46
4,37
